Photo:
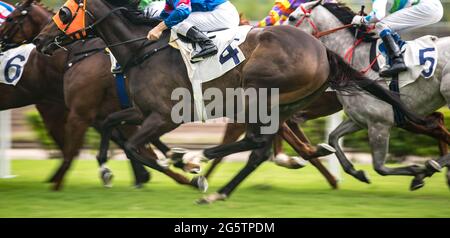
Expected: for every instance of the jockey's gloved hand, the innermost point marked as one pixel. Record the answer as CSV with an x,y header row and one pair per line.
x,y
359,20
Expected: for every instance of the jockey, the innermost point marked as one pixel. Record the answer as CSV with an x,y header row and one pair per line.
x,y
191,18
280,12
5,10
392,16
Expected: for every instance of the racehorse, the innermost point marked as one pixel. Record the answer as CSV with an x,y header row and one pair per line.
x,y
24,30
87,88
268,51
331,21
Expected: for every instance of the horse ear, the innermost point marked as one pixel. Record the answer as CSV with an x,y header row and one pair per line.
x,y
27,3
312,4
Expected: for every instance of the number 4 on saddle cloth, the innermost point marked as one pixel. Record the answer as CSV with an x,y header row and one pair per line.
x,y
12,63
420,56
229,56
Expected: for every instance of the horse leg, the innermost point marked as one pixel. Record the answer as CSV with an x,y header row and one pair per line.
x,y
442,135
130,116
257,157
379,143
54,117
232,134
75,130
345,128
141,175
314,161
445,91
154,126
305,151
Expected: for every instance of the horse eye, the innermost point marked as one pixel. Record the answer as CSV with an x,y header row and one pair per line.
x,y
9,19
65,15
292,18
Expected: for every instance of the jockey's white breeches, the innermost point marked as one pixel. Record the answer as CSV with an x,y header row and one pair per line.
x,y
224,16
426,12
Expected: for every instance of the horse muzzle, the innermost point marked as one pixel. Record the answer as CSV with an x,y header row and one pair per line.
x,y
46,47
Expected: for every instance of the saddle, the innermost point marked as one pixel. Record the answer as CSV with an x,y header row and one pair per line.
x,y
229,56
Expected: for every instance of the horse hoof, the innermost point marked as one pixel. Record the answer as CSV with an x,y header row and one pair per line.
x,y
283,160
211,198
146,177
201,183
324,150
362,176
138,185
433,166
56,187
106,175
298,162
164,163
192,168
417,184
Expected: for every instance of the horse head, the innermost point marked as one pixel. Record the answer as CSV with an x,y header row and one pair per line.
x,y
24,23
79,19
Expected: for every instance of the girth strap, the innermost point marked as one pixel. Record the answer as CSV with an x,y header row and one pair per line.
x,y
399,118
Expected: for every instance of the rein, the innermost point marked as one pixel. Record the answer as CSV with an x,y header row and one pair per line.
x,y
58,41
317,33
11,32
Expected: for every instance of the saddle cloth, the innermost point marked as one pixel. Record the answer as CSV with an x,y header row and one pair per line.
x,y
229,56
12,63
421,56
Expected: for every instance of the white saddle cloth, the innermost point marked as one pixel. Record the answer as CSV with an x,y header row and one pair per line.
x,y
421,57
12,63
213,67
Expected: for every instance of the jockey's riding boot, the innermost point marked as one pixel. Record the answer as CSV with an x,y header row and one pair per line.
x,y
394,52
207,47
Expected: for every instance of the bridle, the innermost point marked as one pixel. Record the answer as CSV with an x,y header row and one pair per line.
x,y
79,33
83,32
17,27
316,33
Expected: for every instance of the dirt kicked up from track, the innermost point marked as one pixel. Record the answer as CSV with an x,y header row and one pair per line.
x,y
270,192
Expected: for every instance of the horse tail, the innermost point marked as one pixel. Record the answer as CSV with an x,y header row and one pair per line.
x,y
344,78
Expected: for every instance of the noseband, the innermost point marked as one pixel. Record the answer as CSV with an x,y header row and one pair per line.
x,y
17,27
316,33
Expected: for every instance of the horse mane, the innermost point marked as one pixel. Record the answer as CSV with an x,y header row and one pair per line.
x,y
345,15
43,6
129,4
133,14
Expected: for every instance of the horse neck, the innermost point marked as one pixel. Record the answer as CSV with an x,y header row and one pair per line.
x,y
116,29
40,16
341,41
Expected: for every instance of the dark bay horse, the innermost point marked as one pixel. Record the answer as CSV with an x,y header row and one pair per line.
x,y
88,91
80,102
268,51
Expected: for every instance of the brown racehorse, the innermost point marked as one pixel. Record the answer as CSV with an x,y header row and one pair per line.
x,y
87,88
56,119
268,52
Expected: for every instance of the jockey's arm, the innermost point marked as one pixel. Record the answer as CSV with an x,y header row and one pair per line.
x,y
177,13
171,15
378,11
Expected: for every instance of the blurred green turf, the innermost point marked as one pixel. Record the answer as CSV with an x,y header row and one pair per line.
x,y
270,192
